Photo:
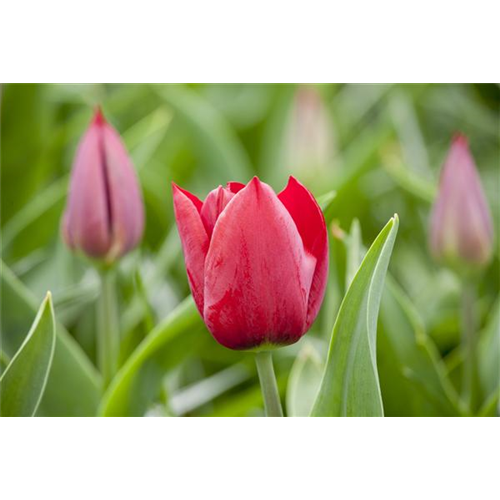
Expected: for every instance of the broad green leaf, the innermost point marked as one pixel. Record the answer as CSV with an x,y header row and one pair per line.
x,y
73,388
216,141
120,398
350,385
304,381
4,361
412,376
23,382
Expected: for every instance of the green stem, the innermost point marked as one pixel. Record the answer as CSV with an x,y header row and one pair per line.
x,y
268,384
469,346
108,339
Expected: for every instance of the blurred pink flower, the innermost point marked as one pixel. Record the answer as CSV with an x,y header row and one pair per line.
x,y
310,138
461,226
104,216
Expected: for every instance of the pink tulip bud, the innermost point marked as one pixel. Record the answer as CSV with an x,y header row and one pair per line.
x,y
104,215
461,225
257,262
310,145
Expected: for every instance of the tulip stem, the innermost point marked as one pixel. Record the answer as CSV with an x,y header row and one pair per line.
x,y
469,346
108,333
272,403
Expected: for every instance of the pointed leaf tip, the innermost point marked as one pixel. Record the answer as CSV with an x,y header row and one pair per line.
x,y
23,383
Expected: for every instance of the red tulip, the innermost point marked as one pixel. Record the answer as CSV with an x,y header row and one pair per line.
x,y
257,262
461,227
104,215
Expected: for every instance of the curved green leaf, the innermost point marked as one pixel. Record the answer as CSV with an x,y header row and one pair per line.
x,y
304,382
118,400
73,388
23,382
350,385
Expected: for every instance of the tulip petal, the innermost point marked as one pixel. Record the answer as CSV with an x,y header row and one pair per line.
x,y
194,240
257,274
125,198
213,205
310,223
86,221
235,187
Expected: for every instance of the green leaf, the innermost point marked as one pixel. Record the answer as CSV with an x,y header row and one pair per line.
x,y
491,407
304,382
350,385
216,141
355,252
73,388
145,136
412,374
23,382
206,390
489,354
122,396
25,225
412,182
325,200
4,361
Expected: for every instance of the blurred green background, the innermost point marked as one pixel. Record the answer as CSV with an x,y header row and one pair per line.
x,y
379,147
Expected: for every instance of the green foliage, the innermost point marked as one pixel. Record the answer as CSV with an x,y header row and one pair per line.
x,y
350,385
304,381
73,386
23,383
388,143
126,396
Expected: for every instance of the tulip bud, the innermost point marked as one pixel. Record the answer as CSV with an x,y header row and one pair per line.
x,y
461,226
257,262
104,216
310,146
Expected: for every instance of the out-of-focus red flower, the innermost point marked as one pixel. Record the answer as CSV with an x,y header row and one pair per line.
x,y
461,226
257,262
104,216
